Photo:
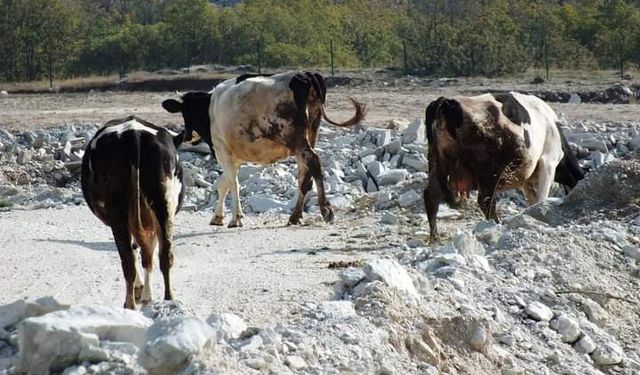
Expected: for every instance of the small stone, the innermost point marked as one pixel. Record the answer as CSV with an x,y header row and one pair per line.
x,y
351,276
415,243
608,354
466,244
480,339
632,252
539,311
389,218
408,198
567,327
574,99
227,325
392,177
595,144
417,162
295,362
512,370
634,143
585,345
595,313
394,146
375,168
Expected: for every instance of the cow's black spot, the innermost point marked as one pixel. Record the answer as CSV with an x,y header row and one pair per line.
x,y
286,110
512,108
527,139
250,75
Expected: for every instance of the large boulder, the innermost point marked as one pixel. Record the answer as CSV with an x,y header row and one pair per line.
x,y
57,340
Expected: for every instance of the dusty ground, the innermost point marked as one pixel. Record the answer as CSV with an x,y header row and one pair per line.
x,y
260,272
384,103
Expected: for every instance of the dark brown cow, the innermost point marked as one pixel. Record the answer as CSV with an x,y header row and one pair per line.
x,y
132,181
261,119
493,143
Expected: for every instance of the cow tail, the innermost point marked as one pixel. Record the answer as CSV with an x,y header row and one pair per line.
x,y
357,117
135,197
568,172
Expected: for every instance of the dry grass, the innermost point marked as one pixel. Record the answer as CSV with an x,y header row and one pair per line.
x,y
95,81
586,76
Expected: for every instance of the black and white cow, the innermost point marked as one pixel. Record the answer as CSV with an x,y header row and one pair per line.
x,y
132,181
261,119
493,143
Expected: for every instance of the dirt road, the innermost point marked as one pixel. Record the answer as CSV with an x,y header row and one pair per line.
x,y
260,271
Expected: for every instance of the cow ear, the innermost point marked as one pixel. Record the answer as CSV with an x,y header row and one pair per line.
x,y
172,106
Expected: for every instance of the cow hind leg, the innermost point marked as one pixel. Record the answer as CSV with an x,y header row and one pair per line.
x,y
148,244
223,189
304,185
312,161
546,173
432,196
138,286
122,238
230,175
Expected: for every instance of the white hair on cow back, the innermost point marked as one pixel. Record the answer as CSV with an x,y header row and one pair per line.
x,y
131,125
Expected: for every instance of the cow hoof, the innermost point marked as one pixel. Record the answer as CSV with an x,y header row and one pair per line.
x,y
216,220
327,214
295,220
235,224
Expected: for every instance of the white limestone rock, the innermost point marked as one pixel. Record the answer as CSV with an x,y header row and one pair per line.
x,y
567,327
394,275
171,342
539,311
351,276
260,203
13,313
415,132
417,162
585,345
392,177
227,325
608,354
467,244
60,339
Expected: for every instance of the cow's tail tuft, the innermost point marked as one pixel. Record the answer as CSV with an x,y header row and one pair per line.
x,y
568,171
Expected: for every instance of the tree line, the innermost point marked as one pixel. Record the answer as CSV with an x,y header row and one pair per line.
x,y
67,38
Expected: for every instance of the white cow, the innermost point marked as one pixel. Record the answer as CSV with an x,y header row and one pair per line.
x,y
261,119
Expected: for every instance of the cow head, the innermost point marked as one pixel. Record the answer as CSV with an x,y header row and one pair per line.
x,y
194,107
